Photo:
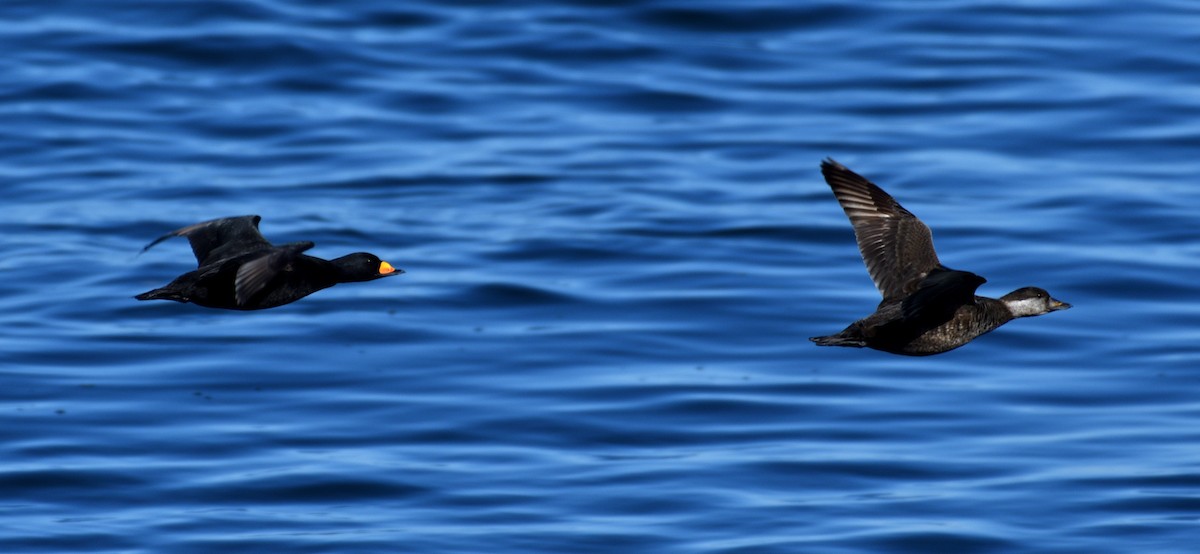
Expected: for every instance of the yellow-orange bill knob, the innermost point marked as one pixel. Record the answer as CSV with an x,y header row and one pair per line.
x,y
385,268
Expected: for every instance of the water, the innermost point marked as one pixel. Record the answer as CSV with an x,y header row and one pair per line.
x,y
617,242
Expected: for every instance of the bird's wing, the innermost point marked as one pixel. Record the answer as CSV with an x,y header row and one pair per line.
x,y
254,275
220,239
940,294
896,247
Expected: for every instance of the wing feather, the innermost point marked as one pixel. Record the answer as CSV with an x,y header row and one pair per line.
x,y
896,247
254,275
219,239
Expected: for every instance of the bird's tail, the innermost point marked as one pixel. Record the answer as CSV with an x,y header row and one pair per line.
x,y
840,339
161,294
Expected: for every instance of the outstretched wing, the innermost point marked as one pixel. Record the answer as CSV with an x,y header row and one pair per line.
x,y
255,274
220,239
896,247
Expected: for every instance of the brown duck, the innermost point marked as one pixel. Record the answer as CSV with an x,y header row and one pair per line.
x,y
927,308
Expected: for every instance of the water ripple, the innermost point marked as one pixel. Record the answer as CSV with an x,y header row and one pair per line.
x,y
617,241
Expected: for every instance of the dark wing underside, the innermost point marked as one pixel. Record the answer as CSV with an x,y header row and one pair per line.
x,y
254,275
896,247
939,295
220,239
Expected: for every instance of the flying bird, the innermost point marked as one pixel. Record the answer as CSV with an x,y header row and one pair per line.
x,y
240,270
927,308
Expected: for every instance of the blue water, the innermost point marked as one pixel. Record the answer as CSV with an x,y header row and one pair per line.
x,y
617,242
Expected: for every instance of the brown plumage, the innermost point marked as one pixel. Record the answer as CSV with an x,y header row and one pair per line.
x,y
927,308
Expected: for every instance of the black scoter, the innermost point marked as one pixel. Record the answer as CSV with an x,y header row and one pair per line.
x,y
927,308
240,270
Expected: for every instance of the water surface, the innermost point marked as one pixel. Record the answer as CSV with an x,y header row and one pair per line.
x,y
617,242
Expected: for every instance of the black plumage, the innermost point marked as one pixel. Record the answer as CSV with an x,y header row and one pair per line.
x,y
238,269
927,308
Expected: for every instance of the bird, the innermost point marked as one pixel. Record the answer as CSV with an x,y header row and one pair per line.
x,y
927,308
238,269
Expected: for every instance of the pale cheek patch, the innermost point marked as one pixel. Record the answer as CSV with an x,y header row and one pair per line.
x,y
1027,306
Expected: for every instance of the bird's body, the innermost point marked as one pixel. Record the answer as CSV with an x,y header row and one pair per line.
x,y
888,330
241,270
927,308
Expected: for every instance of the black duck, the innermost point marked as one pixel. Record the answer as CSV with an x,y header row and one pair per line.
x,y
240,270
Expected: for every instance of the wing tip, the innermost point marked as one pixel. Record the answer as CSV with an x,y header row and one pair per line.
x,y
830,165
155,242
831,168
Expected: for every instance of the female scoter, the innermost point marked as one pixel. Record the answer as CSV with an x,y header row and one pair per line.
x,y
927,308
240,270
